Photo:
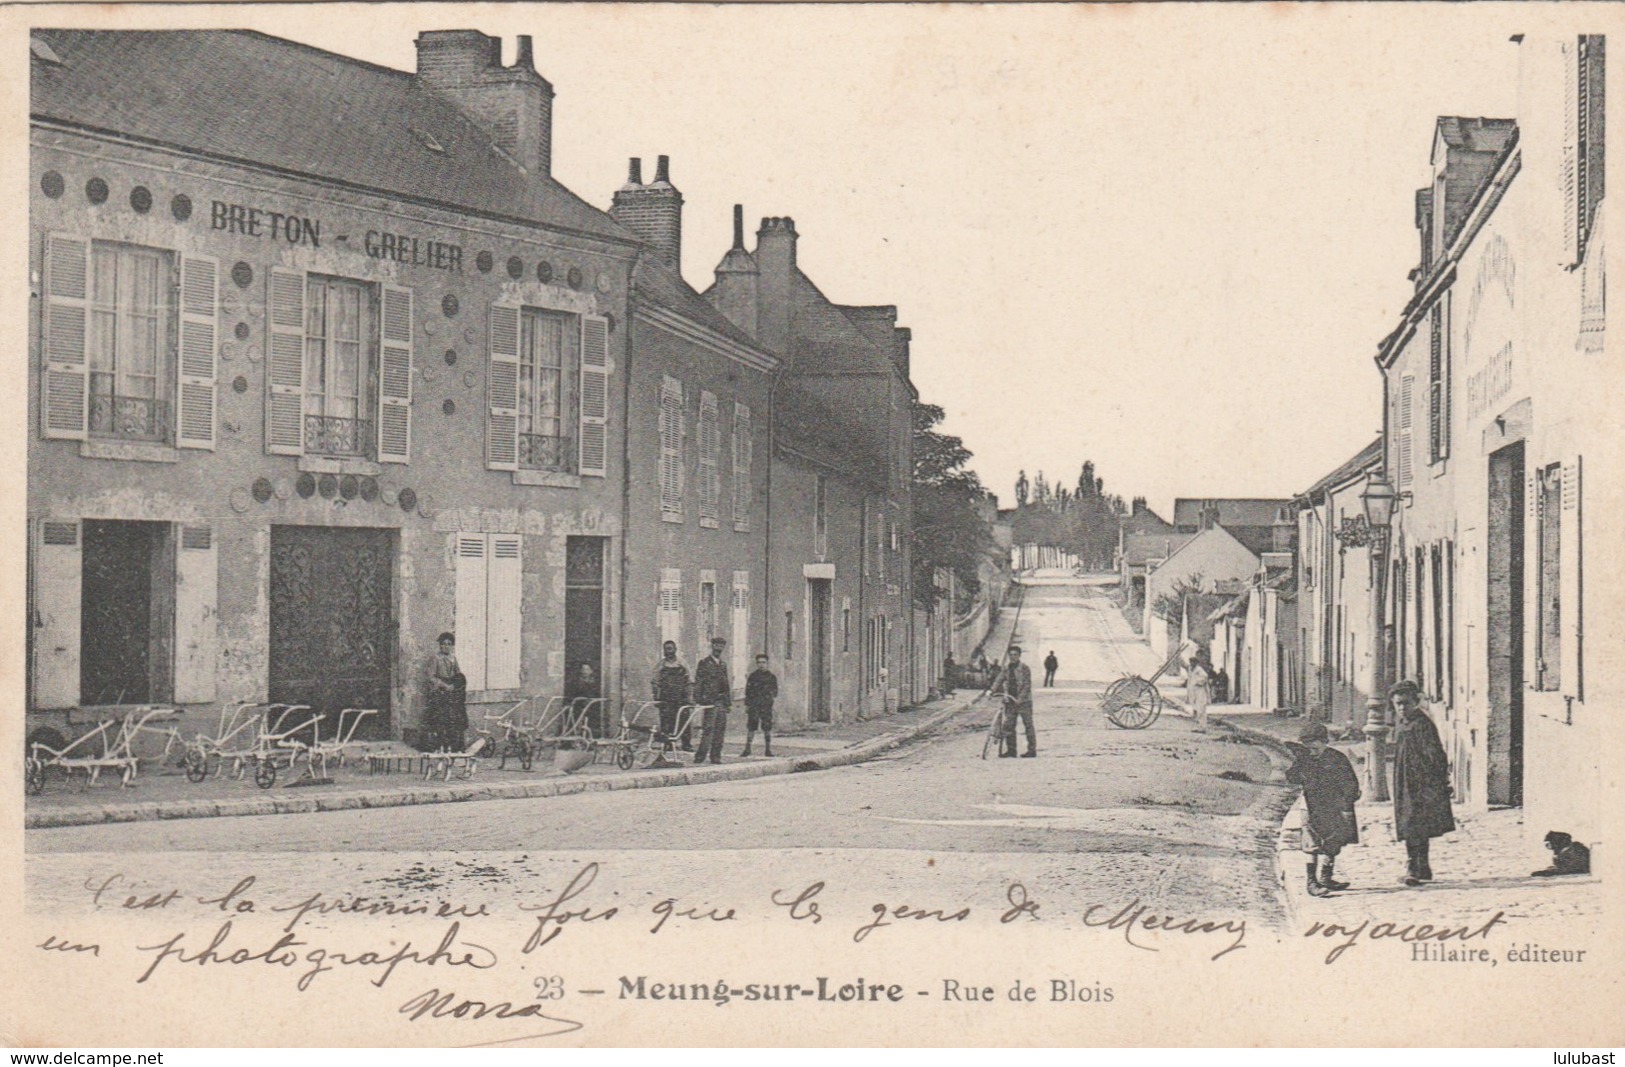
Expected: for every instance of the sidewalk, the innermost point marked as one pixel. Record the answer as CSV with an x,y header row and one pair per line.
x,y
164,792
1483,867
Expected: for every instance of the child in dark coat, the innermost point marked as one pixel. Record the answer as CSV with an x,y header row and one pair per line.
x,y
1330,789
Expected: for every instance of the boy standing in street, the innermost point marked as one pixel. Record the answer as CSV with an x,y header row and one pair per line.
x,y
760,690
1330,789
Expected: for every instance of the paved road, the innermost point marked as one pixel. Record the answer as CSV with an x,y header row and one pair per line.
x,y
1141,814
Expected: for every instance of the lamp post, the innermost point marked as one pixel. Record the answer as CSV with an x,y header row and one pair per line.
x,y
1378,502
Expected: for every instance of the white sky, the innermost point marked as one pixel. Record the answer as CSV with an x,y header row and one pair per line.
x,y
1166,239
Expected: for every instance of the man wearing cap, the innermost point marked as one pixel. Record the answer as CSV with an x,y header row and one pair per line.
x,y
714,691
1015,684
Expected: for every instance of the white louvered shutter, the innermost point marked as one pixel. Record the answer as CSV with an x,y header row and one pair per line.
x,y
671,448
395,377
594,395
741,626
58,564
504,577
199,344
502,390
670,608
1407,389
741,467
1570,173
1571,585
197,582
1531,571
285,365
65,403
710,452
471,608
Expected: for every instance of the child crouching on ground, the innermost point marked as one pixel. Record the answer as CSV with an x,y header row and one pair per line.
x,y
1330,789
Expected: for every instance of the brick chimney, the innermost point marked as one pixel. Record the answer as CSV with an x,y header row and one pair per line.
x,y
735,291
514,104
654,212
775,266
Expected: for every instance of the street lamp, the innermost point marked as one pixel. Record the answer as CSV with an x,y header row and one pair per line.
x,y
1378,502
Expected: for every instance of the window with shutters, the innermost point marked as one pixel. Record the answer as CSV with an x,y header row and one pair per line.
x,y
741,467
547,392
130,343
339,380
490,576
671,449
710,450
1583,156
670,607
1403,417
1439,381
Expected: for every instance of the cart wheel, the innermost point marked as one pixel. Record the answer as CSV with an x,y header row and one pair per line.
x,y
35,777
625,757
264,774
1132,703
196,766
994,733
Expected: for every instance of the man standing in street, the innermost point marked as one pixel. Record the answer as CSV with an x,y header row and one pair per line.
x,y
714,691
760,690
1051,665
670,686
1015,686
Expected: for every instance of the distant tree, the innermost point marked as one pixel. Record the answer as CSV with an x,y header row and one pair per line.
x,y
948,530
1021,490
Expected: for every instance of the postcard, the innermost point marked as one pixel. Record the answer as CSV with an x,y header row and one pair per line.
x,y
830,524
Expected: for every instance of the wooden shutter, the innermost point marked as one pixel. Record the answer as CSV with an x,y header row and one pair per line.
x,y
285,365
710,452
199,343
670,608
471,608
502,390
504,578
1572,583
1570,172
395,377
671,448
741,467
741,626
1407,407
65,400
594,395
58,564
196,627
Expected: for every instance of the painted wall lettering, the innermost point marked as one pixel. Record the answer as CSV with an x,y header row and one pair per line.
x,y
258,222
403,248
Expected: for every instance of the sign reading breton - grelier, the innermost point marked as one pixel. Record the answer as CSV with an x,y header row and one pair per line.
x,y
303,230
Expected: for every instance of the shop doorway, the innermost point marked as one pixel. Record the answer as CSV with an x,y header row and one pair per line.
x,y
584,606
1505,629
333,626
127,613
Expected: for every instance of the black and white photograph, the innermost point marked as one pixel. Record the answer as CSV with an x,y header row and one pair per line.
x,y
658,525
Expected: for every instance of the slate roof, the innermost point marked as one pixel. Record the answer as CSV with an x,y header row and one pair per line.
x,y
1232,512
1368,458
242,96
659,284
1139,548
1144,521
805,423
1476,134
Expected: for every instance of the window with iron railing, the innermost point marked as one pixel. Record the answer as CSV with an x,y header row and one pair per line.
x,y
129,341
340,342
548,344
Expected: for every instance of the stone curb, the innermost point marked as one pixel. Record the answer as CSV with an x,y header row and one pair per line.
x,y
1286,839
446,794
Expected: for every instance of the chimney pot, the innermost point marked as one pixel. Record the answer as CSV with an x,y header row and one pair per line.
x,y
523,58
634,171
739,227
662,169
